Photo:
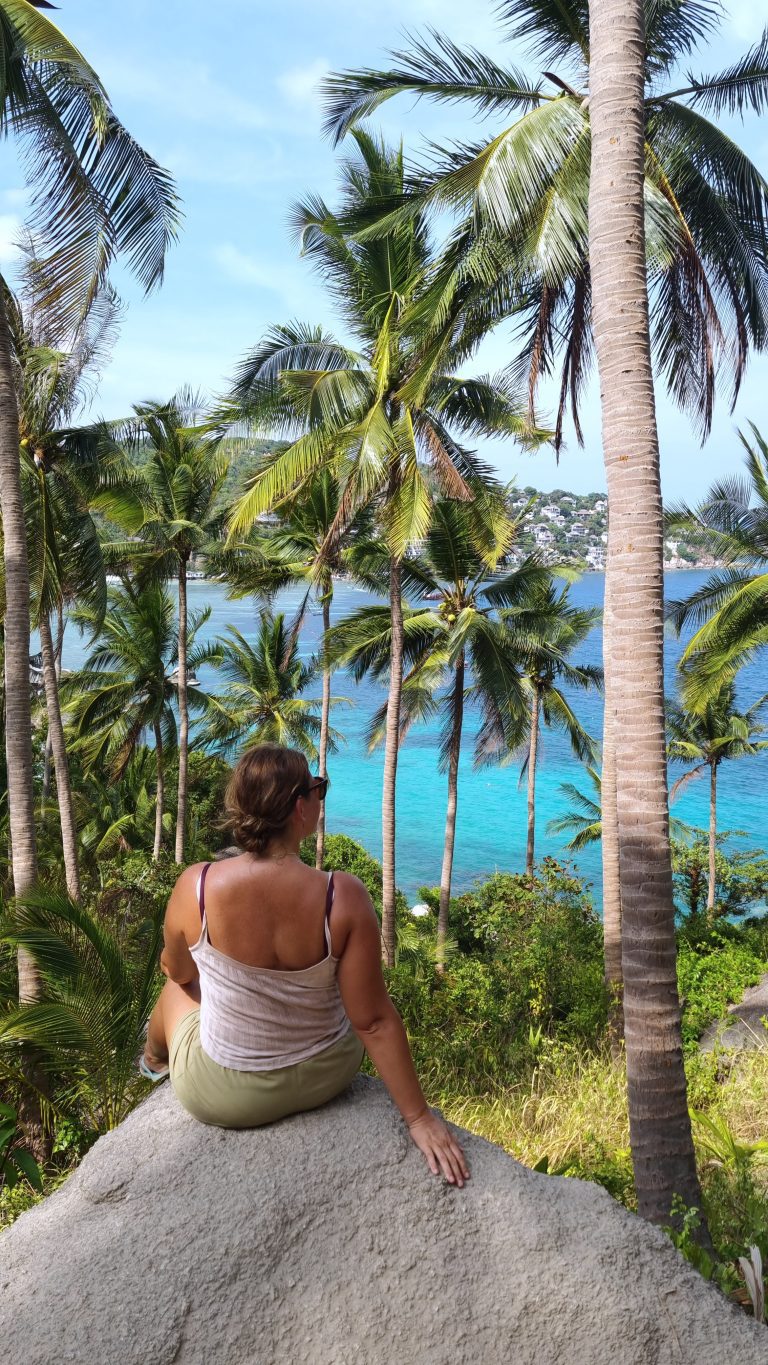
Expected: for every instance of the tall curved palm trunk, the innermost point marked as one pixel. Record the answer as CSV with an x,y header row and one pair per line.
x,y
711,889
57,653
533,750
610,858
181,806
450,815
60,760
660,1130
391,750
324,721
18,717
159,791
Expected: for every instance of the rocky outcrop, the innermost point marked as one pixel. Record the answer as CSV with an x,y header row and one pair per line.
x,y
744,1026
323,1240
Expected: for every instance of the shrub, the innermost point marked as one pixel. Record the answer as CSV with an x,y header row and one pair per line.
x,y
714,967
741,876
529,964
208,777
343,854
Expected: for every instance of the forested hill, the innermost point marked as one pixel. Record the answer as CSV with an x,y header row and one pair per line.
x,y
565,527
573,528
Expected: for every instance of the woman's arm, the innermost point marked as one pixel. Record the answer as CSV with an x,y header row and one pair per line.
x,y
380,1029
181,918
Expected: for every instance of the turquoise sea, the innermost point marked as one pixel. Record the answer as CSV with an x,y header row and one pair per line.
x,y
491,827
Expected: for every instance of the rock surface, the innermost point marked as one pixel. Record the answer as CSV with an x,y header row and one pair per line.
x,y
744,1027
324,1240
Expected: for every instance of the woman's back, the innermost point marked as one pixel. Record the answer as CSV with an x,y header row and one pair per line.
x,y
263,1006
269,913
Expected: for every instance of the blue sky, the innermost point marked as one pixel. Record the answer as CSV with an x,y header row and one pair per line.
x,y
226,97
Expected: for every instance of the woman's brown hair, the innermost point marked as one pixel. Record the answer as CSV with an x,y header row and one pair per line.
x,y
262,792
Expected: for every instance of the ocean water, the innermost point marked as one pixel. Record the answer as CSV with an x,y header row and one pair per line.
x,y
491,824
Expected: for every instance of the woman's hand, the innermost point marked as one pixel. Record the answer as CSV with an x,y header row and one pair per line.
x,y
443,1153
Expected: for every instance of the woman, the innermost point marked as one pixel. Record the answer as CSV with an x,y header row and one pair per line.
x,y
274,975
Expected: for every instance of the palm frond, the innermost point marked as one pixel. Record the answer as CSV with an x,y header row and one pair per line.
x,y
441,69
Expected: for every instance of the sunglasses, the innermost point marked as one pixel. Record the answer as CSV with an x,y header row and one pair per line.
x,y
320,785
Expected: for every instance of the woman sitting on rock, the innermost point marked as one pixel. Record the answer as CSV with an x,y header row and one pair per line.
x,y
274,974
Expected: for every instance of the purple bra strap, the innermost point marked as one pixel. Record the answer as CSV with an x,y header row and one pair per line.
x,y
203,876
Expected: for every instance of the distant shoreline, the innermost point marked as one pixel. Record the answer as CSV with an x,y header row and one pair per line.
x,y
114,579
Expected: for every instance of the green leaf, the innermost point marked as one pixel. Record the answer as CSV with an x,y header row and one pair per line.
x,y
28,1166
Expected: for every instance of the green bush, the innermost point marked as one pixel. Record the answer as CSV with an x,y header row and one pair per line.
x,y
208,778
16,1201
714,968
528,963
741,876
343,854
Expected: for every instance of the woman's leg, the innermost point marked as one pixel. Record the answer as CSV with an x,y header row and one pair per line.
x,y
173,1003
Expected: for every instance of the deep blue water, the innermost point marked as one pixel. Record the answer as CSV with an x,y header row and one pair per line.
x,y
491,826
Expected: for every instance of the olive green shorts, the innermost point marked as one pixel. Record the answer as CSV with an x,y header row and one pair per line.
x,y
246,1099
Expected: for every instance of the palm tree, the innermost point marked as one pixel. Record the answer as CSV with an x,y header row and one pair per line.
x,y
116,818
730,611
633,643
521,245
99,991
96,194
262,701
707,738
584,820
176,512
126,690
296,550
59,472
458,653
546,629
376,415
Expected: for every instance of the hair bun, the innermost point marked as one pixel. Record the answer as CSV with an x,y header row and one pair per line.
x,y
262,794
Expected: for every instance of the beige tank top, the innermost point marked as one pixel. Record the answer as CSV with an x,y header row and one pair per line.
x,y
263,1018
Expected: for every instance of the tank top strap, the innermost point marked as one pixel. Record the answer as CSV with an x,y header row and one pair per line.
x,y
201,893
328,905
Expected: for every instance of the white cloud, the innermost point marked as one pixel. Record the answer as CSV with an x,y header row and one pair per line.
x,y
237,165
745,20
16,198
245,269
291,283
186,89
300,83
10,228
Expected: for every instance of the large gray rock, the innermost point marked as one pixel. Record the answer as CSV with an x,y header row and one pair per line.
x,y
324,1240
743,1027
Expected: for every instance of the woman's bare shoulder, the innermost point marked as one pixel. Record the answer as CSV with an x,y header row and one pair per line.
x,y
352,905
349,887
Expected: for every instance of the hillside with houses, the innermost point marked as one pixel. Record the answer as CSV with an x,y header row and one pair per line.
x,y
572,528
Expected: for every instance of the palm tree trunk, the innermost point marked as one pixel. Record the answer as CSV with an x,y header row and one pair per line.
x,y
61,762
660,1129
611,884
391,747
324,718
181,807
712,841
48,760
18,715
159,792
610,854
450,815
532,752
